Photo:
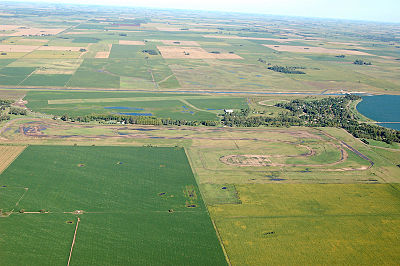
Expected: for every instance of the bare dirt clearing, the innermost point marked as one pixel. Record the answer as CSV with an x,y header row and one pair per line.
x,y
170,52
61,48
283,40
18,48
185,43
104,54
8,155
185,29
311,49
26,31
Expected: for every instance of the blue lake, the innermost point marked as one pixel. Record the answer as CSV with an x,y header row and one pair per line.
x,y
382,108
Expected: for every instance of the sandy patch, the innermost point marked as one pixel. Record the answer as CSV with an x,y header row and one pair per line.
x,y
10,27
8,155
81,32
185,29
33,40
124,42
60,48
104,54
170,52
186,43
26,31
54,71
18,48
388,57
251,38
310,49
281,40
344,43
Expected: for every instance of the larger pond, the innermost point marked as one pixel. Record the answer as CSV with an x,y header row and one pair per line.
x,y
382,108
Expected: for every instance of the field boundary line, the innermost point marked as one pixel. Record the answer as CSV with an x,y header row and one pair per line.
x,y
208,213
73,241
23,195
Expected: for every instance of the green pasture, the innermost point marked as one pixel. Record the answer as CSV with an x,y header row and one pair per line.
x,y
140,207
311,224
58,80
14,75
163,105
91,73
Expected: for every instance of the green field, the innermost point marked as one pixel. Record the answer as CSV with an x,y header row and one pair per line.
x,y
295,224
163,105
126,194
129,144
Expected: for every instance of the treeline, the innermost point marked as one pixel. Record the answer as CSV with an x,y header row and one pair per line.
x,y
361,62
327,112
150,52
4,104
136,120
287,69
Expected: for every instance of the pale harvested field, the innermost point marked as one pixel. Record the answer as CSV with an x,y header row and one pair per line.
x,y
26,31
344,43
310,49
186,43
8,154
170,52
125,42
18,48
81,32
49,66
257,38
34,40
60,48
184,29
10,27
104,54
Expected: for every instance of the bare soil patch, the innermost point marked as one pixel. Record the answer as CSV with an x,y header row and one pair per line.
x,y
184,29
232,37
185,43
10,27
27,31
81,32
181,52
33,40
311,49
17,48
8,154
245,160
60,48
104,54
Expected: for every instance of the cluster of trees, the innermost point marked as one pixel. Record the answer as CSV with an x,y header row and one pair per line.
x,y
3,105
287,69
136,120
150,52
327,112
17,111
361,62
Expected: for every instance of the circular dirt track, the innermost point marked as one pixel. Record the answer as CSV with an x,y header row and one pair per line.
x,y
243,160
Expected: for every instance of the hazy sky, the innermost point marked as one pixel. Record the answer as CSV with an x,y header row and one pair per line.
x,y
377,10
